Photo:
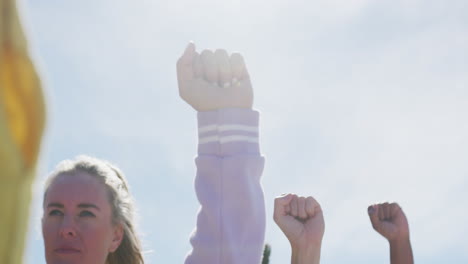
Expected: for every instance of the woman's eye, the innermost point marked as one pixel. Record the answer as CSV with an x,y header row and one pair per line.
x,y
86,214
55,213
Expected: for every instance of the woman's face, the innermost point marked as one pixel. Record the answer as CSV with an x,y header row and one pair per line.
x,y
77,225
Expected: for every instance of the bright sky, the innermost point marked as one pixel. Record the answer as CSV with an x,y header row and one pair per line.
x,y
361,101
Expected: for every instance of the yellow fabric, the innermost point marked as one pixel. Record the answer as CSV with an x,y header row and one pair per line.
x,y
22,118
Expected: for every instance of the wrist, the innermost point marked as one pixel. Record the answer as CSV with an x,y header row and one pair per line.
x,y
400,242
226,108
400,251
306,254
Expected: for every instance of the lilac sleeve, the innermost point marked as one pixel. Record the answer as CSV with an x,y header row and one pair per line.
x,y
231,220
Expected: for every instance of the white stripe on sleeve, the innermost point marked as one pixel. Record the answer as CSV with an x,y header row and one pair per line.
x,y
227,127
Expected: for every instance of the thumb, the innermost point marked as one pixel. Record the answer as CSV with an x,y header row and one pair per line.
x,y
373,212
280,206
188,55
185,66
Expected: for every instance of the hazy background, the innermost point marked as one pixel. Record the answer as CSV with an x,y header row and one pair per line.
x,y
361,101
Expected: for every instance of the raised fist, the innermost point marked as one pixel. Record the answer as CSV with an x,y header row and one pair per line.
x,y
300,219
389,220
213,80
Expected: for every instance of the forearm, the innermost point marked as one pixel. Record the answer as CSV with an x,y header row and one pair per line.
x,y
231,221
401,252
310,255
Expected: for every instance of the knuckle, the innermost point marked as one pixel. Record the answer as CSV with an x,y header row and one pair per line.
x,y
236,55
221,52
206,53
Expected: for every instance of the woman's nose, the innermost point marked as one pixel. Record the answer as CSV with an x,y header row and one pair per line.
x,y
68,228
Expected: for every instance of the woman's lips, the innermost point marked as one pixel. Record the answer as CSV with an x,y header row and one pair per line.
x,y
67,251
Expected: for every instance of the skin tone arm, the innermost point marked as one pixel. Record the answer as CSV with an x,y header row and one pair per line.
x,y
301,220
389,220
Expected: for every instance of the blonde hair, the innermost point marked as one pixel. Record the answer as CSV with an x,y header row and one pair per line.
x,y
120,199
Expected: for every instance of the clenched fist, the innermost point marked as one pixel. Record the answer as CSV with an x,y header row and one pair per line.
x,y
300,219
389,220
213,80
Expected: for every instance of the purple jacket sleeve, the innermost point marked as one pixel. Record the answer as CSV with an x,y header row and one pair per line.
x,y
231,220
